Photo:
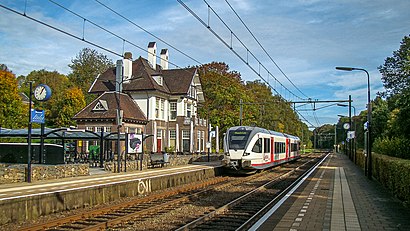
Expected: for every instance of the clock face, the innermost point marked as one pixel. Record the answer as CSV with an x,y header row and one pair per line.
x,y
42,92
346,126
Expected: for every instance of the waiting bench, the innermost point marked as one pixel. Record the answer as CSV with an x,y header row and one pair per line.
x,y
159,159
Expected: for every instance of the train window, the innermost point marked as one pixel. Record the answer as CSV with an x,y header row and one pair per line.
x,y
238,139
258,146
266,147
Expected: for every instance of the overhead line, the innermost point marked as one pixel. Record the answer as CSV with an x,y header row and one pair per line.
x,y
236,53
146,31
60,30
280,69
108,31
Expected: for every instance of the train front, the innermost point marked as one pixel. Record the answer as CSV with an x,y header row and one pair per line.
x,y
235,142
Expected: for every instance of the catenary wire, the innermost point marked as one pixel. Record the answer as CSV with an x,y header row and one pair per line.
x,y
280,69
233,50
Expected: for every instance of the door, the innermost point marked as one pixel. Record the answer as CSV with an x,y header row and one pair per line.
x,y
272,150
159,145
287,148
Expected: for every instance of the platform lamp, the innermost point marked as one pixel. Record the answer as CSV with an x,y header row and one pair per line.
x,y
369,118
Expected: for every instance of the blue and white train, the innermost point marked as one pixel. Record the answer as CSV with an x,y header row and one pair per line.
x,y
249,149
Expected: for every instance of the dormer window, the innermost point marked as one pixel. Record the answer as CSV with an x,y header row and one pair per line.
x,y
101,106
158,79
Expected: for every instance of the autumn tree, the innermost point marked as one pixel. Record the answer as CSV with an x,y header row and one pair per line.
x,y
57,82
223,91
85,68
12,113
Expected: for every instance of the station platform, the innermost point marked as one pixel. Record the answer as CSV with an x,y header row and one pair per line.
x,y
27,201
338,196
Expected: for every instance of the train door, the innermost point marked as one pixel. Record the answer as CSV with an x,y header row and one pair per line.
x,y
266,150
287,148
272,150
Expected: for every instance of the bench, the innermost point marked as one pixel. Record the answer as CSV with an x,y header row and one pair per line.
x,y
158,159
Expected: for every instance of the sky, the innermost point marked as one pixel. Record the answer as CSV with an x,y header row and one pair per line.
x,y
306,39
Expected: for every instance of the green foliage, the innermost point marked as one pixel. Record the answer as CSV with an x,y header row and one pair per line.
x,y
86,66
73,102
12,110
396,69
395,146
224,90
394,174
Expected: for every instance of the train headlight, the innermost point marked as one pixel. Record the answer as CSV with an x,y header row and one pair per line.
x,y
246,154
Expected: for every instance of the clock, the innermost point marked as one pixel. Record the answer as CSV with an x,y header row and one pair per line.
x,y
42,92
346,126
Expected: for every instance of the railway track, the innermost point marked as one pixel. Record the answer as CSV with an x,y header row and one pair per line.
x,y
137,211
243,212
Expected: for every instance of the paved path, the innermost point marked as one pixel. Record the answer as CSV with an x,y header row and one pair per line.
x,y
339,197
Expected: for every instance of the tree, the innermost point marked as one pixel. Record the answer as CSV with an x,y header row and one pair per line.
x,y
396,79
73,102
85,68
223,90
12,111
396,69
58,84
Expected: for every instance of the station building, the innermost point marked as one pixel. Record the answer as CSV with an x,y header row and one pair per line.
x,y
153,100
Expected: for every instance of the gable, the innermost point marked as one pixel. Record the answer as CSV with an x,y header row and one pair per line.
x,y
101,106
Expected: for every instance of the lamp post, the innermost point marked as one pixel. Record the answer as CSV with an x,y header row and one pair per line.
x,y
369,118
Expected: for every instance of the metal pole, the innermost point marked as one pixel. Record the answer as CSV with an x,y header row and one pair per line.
x,y
102,148
29,134
335,139
350,125
369,118
42,157
240,111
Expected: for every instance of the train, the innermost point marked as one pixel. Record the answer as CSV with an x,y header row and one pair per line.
x,y
249,149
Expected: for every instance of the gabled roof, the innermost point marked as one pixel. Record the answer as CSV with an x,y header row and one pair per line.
x,y
131,110
176,81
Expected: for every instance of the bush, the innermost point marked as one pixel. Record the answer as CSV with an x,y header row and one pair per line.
x,y
396,146
394,174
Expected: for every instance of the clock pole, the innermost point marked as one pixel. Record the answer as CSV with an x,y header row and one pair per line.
x,y
29,135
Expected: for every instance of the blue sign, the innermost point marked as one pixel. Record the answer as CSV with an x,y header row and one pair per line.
x,y
38,116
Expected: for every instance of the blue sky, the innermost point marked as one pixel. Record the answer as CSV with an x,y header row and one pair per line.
x,y
306,38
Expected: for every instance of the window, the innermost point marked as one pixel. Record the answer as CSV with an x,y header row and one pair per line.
x,y
186,143
266,147
89,129
163,108
157,102
173,110
238,139
258,146
198,141
138,130
99,129
280,147
108,129
159,133
172,138
101,106
188,110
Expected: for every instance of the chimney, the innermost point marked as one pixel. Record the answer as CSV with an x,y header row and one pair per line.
x,y
152,54
164,59
127,62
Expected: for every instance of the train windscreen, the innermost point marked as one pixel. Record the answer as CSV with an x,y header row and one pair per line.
x,y
238,139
